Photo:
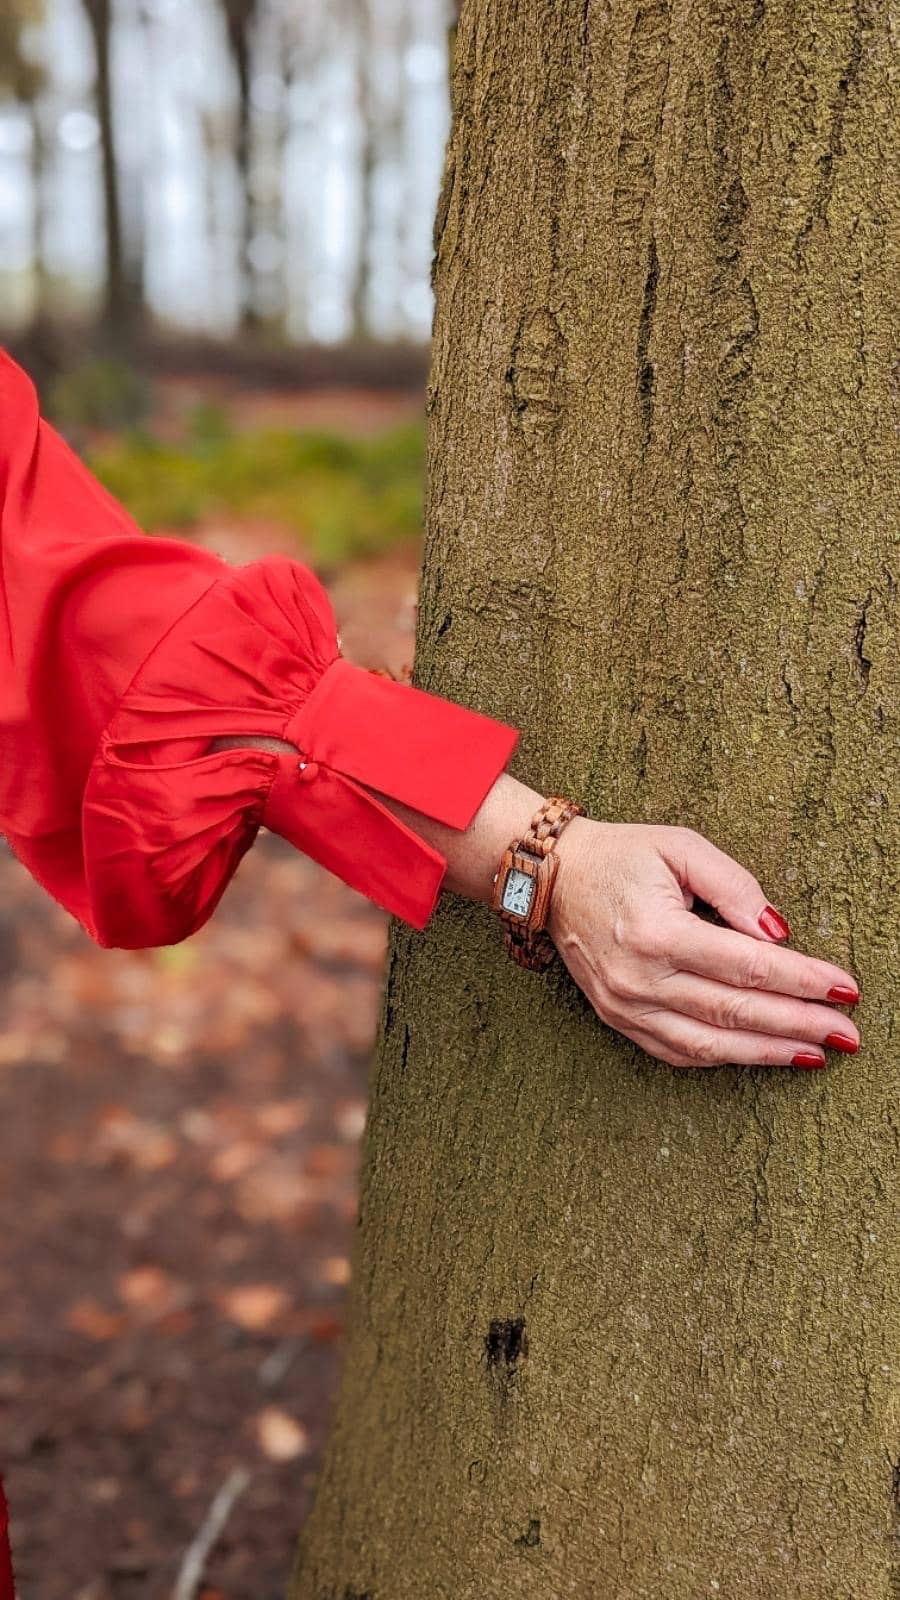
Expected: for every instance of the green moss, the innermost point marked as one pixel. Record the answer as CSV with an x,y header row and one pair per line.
x,y
342,496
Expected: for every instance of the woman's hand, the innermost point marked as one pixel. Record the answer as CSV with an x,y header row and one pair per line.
x,y
688,992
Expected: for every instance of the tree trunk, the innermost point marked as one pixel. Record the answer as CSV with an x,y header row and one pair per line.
x,y
621,1331
240,17
364,43
120,299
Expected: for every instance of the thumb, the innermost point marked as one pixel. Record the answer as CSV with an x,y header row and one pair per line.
x,y
705,870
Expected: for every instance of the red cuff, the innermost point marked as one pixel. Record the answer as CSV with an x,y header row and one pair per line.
x,y
433,755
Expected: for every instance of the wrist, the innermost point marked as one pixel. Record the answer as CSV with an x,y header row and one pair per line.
x,y
503,816
472,854
571,848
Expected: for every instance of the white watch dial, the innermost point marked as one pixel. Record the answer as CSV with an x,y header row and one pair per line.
x,y
517,892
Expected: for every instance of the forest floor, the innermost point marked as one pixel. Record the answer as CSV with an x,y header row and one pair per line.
x,y
178,1157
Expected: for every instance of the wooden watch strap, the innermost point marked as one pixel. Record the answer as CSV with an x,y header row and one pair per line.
x,y
534,951
547,824
528,946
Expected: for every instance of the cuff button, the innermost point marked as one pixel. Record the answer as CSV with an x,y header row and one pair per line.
x,y
307,770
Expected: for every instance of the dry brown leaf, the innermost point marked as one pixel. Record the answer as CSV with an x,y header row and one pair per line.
x,y
282,1116
274,1193
254,1305
350,1119
334,1269
15,1047
280,1436
235,1160
331,1161
325,1329
148,1289
146,1144
87,1317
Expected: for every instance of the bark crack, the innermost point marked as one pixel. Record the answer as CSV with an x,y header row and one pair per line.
x,y
824,183
646,78
863,662
646,373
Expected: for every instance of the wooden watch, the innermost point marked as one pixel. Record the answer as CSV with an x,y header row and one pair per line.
x,y
523,884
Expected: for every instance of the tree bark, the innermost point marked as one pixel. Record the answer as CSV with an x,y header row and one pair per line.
x,y
620,1331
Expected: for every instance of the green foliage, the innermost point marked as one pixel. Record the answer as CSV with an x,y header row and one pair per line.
x,y
342,496
99,394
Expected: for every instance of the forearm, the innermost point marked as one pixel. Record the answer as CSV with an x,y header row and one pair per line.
x,y
473,853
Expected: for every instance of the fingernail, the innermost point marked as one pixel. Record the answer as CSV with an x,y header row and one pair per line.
x,y
842,1041
843,993
807,1059
773,923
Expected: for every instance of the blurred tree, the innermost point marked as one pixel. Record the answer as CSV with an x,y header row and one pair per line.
x,y
121,297
20,77
240,18
619,1330
364,67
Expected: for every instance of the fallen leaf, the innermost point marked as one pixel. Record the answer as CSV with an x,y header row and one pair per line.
x,y
87,1317
325,1329
15,1047
148,1289
254,1305
146,1144
274,1193
331,1161
280,1436
350,1119
334,1269
235,1160
282,1116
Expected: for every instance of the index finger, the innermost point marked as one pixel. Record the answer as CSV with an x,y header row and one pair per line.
x,y
739,959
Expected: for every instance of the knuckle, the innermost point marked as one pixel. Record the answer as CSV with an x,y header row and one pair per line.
x,y
623,985
744,887
646,937
736,1012
704,1051
756,971
686,835
771,1055
811,982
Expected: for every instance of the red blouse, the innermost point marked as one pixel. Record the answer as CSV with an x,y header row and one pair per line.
x,y
123,656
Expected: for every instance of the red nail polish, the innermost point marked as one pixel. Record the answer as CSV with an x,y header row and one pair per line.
x,y
843,993
841,1041
773,923
805,1058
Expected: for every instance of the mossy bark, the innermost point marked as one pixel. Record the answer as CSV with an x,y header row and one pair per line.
x,y
620,1331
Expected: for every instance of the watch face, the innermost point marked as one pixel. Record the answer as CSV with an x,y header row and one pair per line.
x,y
517,892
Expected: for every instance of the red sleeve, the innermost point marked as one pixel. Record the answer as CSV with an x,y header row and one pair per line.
x,y
122,656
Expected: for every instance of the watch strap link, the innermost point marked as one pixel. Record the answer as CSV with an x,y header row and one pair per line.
x,y
547,824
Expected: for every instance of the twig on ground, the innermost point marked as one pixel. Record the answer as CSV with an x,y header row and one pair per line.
x,y
193,1566
278,1362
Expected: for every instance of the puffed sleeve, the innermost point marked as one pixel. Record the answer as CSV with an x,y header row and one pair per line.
x,y
123,656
